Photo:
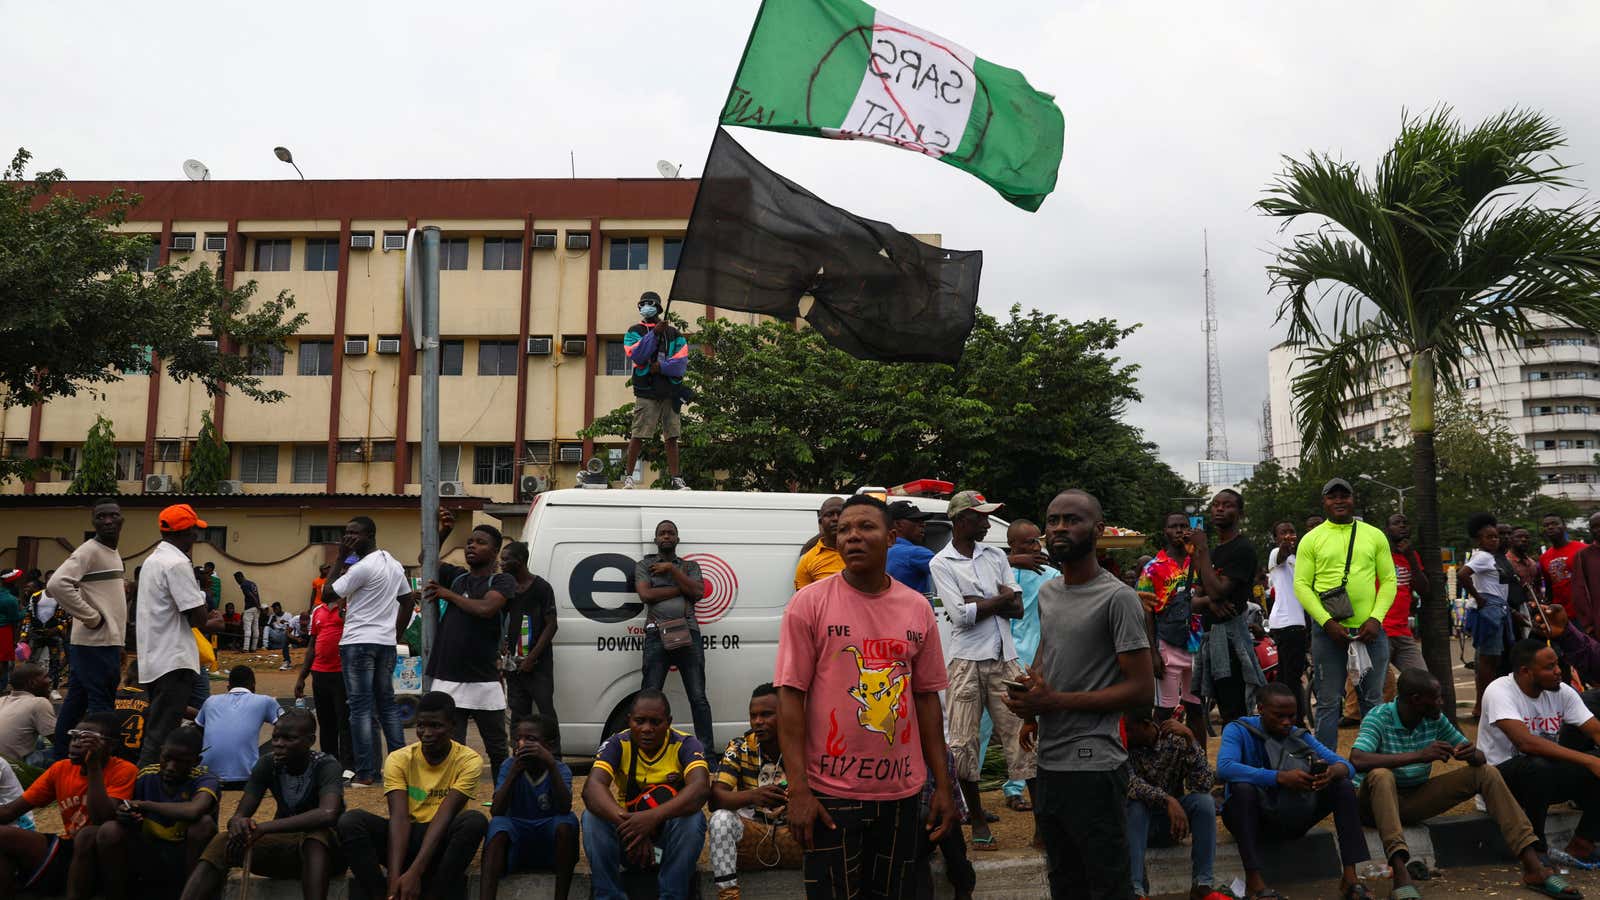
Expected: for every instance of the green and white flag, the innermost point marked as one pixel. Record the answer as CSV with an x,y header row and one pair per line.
x,y
841,69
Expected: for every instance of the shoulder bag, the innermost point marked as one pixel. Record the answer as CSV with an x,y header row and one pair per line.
x,y
1337,600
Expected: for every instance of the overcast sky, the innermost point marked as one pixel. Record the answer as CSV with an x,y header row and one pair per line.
x,y
1176,115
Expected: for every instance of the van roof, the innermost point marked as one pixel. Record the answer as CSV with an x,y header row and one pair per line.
x,y
707,499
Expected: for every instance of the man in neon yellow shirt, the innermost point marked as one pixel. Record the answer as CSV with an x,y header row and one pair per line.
x,y
1319,567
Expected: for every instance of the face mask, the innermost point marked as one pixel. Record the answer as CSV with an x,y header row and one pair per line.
x,y
649,311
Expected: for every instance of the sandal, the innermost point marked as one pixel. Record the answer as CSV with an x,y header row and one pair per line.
x,y
1019,803
1419,871
1405,892
1556,886
1358,891
985,844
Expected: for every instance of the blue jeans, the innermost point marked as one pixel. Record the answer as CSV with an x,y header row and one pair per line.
x,y
1330,660
369,687
92,676
1145,823
679,842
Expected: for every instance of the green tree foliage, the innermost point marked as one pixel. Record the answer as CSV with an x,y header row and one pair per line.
x,y
80,309
97,461
1034,406
209,466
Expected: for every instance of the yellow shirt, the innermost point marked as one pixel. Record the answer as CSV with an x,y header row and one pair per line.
x,y
426,786
816,564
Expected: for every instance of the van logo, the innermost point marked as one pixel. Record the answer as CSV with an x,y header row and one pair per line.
x,y
583,586
722,587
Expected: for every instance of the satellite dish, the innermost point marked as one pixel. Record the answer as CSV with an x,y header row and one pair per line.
x,y
196,170
667,170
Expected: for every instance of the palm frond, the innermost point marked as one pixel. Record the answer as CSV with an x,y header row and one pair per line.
x,y
1332,373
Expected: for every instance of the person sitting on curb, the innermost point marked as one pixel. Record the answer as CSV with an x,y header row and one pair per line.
x,y
532,825
748,799
1270,798
298,842
232,722
1169,798
645,792
1394,754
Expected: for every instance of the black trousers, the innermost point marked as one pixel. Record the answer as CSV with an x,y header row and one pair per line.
x,y
333,716
527,690
1294,654
870,854
365,839
957,868
169,697
1247,818
491,727
1083,819
1537,782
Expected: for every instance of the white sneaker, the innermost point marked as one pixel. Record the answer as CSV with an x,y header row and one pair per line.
x,y
55,695
678,484
629,483
1478,802
285,667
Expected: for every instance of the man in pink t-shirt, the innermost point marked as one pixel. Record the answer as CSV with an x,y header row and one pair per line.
x,y
859,670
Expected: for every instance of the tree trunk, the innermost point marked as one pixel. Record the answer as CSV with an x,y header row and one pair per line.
x,y
1434,622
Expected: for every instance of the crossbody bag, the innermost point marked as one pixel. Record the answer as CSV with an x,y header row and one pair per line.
x,y
1337,600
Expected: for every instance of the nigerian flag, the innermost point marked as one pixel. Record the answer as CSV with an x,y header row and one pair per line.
x,y
841,69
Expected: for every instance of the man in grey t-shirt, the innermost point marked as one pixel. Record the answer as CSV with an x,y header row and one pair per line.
x,y
670,586
1092,664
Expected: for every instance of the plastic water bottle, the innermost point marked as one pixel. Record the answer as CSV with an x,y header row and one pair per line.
x,y
300,703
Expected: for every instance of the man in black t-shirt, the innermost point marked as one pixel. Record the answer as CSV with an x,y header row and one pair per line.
x,y
131,704
530,630
670,586
1225,668
466,644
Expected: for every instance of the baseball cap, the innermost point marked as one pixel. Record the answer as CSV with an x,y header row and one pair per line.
x,y
11,576
905,509
971,500
1335,484
180,517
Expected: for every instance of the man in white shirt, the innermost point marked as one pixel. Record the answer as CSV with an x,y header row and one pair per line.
x,y
171,605
1287,622
1523,714
981,595
371,591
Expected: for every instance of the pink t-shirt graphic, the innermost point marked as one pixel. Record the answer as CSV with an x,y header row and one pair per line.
x,y
860,658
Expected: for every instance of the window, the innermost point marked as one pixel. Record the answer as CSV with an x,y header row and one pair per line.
x,y
452,253
630,253
215,535
616,359
273,255
16,449
382,451
1363,405
1473,382
69,461
451,354
258,464
1538,376
169,451
1539,410
537,452
491,465
1544,445
273,364
1366,434
1582,408
497,357
1563,410
671,249
130,463
502,254
310,464
322,254
316,357
449,462
350,451
152,254
143,366
326,534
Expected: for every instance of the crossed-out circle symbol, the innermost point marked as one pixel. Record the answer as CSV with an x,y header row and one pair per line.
x,y
722,587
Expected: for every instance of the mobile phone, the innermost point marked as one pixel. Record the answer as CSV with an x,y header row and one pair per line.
x,y
1015,687
1197,523
1318,767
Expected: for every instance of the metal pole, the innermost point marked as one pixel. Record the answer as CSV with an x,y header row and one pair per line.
x,y
430,430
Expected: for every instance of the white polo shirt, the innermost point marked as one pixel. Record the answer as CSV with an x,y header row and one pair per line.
x,y
167,591
369,589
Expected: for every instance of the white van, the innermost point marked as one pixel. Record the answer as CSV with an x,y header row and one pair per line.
x,y
586,544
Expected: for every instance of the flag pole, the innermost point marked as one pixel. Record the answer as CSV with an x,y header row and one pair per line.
x,y
732,83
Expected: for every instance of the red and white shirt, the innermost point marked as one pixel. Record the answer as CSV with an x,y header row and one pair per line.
x,y
1543,715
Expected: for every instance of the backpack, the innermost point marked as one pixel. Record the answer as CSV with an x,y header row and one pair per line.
x,y
1291,812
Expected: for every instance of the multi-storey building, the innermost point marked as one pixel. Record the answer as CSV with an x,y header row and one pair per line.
x,y
1547,387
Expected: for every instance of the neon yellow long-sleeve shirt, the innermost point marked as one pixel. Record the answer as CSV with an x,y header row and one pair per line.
x,y
1319,564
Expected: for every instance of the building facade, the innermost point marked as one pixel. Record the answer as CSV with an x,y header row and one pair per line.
x,y
1547,387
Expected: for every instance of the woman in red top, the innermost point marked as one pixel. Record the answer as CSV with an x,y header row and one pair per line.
x,y
327,682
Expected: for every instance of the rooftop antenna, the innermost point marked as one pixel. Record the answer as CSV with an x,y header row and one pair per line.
x,y
195,170
1216,428
667,169
572,160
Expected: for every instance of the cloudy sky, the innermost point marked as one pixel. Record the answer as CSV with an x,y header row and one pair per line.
x,y
1177,114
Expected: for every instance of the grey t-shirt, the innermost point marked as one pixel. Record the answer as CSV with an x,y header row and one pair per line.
x,y
673,607
1085,626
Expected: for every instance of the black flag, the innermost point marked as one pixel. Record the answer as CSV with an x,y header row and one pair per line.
x,y
758,242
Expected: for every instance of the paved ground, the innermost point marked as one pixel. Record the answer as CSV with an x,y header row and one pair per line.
x,y
1479,881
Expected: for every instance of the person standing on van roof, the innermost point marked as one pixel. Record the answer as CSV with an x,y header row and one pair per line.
x,y
670,586
908,559
820,558
975,584
530,632
860,667
660,357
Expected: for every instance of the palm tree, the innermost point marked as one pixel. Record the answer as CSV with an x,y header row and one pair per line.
x,y
1456,243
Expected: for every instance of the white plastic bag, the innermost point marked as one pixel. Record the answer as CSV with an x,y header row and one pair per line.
x,y
1359,662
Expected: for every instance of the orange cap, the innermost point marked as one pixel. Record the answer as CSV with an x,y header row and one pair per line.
x,y
180,517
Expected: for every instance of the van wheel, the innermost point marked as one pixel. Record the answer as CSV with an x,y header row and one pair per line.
x,y
618,720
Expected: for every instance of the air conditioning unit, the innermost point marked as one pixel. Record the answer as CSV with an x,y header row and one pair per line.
x,y
531,484
394,240
388,345
570,453
361,240
216,243
544,240
355,347
210,342
573,346
230,487
577,240
540,346
452,489
158,484
185,243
